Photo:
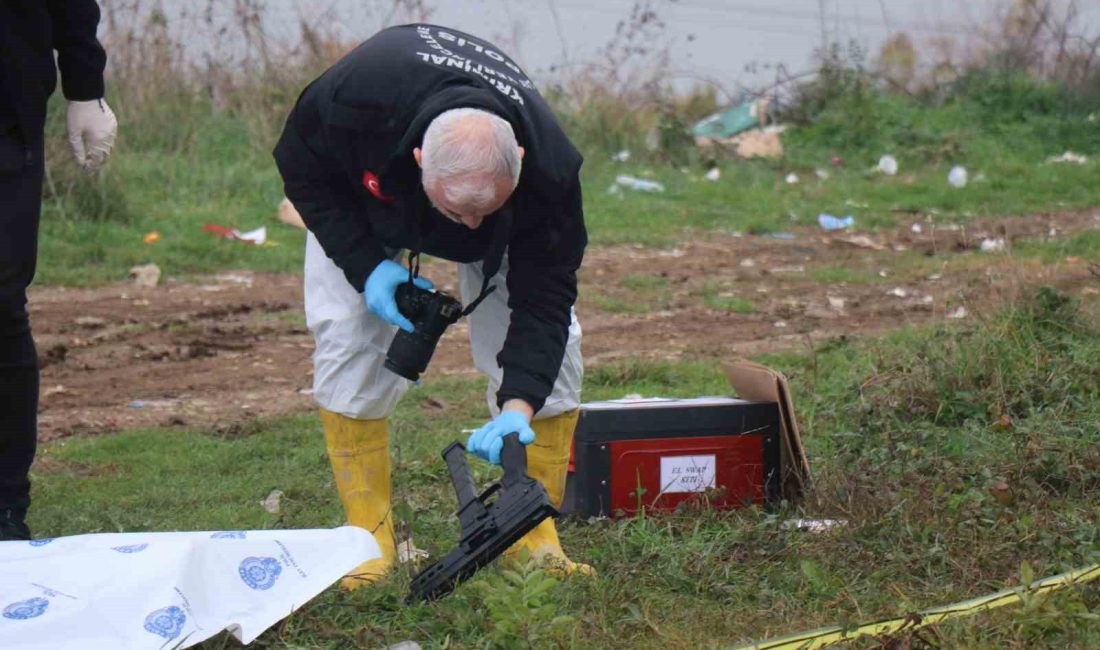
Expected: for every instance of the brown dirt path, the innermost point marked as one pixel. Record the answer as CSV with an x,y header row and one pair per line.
x,y
232,347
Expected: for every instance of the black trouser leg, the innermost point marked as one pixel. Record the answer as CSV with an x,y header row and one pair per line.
x,y
20,207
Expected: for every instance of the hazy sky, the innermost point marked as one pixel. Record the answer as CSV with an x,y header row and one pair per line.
x,y
710,39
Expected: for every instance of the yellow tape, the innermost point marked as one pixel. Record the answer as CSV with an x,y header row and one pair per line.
x,y
827,635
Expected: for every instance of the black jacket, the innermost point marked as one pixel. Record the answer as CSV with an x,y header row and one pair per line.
x,y
30,30
347,166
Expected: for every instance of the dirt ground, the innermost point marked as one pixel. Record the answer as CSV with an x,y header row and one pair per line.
x,y
223,351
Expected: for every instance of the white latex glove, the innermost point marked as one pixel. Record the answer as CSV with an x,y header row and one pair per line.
x,y
92,129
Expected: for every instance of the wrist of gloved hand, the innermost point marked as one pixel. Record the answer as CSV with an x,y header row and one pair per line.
x,y
381,287
92,129
488,441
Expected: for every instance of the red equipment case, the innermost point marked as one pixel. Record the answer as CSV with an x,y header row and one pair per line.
x,y
656,453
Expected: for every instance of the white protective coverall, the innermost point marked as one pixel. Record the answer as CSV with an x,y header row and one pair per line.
x,y
351,343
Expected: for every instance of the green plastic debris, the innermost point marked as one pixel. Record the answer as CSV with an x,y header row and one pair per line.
x,y
729,122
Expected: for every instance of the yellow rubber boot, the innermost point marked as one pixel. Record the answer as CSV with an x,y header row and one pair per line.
x,y
548,461
360,456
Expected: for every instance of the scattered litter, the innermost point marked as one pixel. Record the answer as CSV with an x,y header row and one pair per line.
x,y
1069,157
145,275
672,252
788,269
404,645
91,322
780,323
289,215
935,276
856,204
407,551
732,120
759,143
621,156
792,178
836,160
898,292
741,128
748,263
151,237
888,165
713,174
257,237
822,174
244,278
780,235
53,391
993,245
836,303
137,404
814,525
640,184
927,299
882,273
1091,117
861,241
957,176
916,228
632,396
271,501
832,222
958,312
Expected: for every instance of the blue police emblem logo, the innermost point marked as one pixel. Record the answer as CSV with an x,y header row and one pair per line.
x,y
260,572
25,609
41,542
166,622
228,534
132,548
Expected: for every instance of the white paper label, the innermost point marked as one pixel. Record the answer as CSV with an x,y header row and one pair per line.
x,y
687,473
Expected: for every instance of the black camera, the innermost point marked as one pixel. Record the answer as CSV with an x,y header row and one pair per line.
x,y
431,314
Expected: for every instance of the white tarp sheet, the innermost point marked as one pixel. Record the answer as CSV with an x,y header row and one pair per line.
x,y
165,590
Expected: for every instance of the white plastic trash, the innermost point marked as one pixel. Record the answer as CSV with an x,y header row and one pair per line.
x,y
993,244
714,174
792,178
639,184
888,165
957,176
165,590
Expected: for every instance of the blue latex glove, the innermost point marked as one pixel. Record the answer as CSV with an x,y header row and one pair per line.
x,y
488,441
380,289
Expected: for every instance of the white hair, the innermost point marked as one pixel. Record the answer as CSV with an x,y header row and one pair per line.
x,y
466,153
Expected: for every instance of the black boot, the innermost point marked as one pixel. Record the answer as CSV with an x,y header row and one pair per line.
x,y
13,526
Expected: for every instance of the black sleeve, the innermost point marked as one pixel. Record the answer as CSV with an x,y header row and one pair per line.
x,y
79,55
324,196
542,287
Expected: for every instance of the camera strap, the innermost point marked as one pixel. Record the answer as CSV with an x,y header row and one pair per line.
x,y
491,263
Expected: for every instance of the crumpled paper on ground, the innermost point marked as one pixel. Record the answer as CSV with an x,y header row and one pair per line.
x,y
158,590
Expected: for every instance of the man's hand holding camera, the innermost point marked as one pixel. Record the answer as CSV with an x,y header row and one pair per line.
x,y
382,286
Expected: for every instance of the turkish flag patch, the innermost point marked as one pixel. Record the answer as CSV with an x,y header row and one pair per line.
x,y
370,181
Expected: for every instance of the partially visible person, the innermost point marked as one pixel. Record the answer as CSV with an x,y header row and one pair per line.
x,y
30,32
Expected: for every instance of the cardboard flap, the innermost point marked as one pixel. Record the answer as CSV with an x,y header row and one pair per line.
x,y
753,381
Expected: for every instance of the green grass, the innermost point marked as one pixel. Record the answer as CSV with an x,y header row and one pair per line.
x,y
942,503
1083,245
716,296
632,294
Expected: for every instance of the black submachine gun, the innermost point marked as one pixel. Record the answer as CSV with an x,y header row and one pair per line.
x,y
488,528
